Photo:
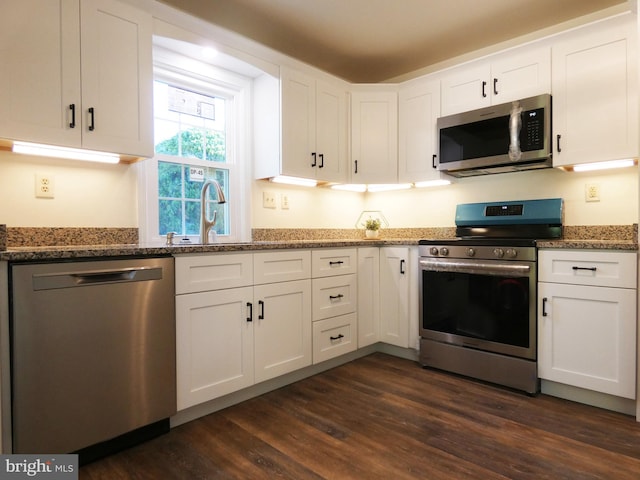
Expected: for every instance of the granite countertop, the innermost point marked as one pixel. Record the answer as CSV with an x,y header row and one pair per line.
x,y
30,245
32,254
589,244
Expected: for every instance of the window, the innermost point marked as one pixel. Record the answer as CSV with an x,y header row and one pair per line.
x,y
200,130
190,144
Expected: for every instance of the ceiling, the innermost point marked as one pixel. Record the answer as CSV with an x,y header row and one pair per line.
x,y
374,40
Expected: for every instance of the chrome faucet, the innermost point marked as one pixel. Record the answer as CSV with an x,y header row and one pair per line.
x,y
205,224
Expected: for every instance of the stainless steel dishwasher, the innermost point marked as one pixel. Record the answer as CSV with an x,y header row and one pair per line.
x,y
92,352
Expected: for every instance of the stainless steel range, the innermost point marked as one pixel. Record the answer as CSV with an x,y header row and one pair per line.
x,y
478,292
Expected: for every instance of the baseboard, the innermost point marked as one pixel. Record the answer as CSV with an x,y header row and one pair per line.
x,y
589,397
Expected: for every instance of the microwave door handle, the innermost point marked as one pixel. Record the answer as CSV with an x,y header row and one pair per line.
x,y
433,161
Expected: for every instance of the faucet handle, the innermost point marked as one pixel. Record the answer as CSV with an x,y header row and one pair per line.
x,y
170,236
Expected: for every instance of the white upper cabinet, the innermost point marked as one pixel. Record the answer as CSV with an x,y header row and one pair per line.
x,y
77,74
418,111
594,94
117,78
374,134
314,128
40,74
518,74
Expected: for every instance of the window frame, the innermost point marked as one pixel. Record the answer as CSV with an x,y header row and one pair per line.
x,y
185,72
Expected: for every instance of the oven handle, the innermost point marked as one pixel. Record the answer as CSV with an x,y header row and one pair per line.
x,y
475,267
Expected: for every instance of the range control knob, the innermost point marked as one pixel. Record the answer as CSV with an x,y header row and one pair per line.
x,y
444,251
511,253
471,252
433,251
498,252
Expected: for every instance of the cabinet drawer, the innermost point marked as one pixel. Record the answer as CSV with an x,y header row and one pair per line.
x,y
580,267
200,273
272,267
333,296
329,262
334,337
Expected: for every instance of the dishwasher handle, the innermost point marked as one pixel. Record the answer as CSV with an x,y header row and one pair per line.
x,y
95,277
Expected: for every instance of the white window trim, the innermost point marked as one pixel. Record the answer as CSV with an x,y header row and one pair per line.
x,y
175,68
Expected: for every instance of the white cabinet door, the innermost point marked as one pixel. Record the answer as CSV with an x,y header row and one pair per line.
x,y
374,136
394,296
419,109
595,95
40,74
587,337
503,78
368,296
314,128
282,328
214,344
298,124
466,89
520,74
331,133
117,78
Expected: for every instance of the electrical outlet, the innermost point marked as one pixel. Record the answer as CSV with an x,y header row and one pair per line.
x,y
45,186
268,200
284,201
592,192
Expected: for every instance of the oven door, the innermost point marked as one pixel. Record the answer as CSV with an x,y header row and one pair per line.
x,y
481,304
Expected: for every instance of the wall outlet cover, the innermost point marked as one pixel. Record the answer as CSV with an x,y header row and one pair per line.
x,y
45,186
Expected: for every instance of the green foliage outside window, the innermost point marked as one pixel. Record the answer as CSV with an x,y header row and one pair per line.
x,y
195,143
178,196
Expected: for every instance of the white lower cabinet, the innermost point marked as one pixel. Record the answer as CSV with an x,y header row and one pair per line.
x,y
282,328
394,296
587,320
214,344
230,338
368,296
244,318
335,296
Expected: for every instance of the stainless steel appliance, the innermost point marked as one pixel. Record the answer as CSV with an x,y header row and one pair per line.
x,y
502,138
92,354
478,292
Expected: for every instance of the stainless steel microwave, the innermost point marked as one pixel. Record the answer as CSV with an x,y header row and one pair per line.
x,y
502,138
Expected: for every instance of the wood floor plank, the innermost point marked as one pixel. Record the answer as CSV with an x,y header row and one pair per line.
x,y
385,417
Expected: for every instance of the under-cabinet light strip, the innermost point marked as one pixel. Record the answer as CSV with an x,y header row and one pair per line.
x,y
54,151
589,167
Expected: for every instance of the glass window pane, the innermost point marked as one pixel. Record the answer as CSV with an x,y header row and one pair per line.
x,y
216,147
193,188
170,216
192,218
192,143
169,180
166,137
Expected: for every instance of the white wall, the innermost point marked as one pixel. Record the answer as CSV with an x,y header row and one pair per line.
x,y
308,207
435,207
86,194
93,195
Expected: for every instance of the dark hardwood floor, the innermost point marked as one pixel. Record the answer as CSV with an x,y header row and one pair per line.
x,y
387,418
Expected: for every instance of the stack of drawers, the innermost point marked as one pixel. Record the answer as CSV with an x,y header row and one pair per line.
x,y
334,298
